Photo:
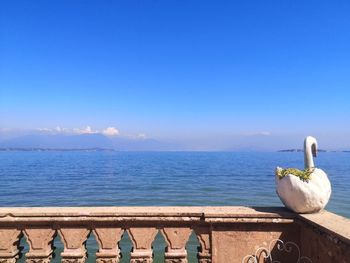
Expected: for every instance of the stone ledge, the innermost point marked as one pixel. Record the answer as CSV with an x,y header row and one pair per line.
x,y
149,211
332,224
328,222
223,232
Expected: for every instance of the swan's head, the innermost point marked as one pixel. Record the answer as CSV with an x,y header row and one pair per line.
x,y
311,143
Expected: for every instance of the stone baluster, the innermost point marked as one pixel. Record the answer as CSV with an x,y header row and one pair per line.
x,y
142,238
176,239
40,241
74,239
9,241
107,239
204,252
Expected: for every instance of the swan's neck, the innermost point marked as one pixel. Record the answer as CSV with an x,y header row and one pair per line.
x,y
308,159
310,145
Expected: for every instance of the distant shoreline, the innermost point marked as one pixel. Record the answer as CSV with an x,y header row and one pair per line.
x,y
96,149
301,150
56,150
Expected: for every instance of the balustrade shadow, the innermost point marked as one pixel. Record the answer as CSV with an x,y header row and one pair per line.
x,y
58,249
23,249
193,247
91,248
158,247
125,247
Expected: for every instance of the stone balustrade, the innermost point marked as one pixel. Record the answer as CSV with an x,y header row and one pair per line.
x,y
225,234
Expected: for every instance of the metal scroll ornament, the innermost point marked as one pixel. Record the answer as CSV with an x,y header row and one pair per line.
x,y
264,254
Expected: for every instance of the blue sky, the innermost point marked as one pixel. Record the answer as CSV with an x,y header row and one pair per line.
x,y
177,70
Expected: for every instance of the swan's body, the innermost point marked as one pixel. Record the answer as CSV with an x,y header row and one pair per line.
x,y
305,196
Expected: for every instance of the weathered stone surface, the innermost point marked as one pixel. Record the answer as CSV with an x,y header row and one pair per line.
x,y
9,241
226,234
325,237
107,260
73,260
331,223
234,242
176,260
8,260
107,239
142,238
38,260
204,251
74,239
323,247
176,239
40,242
140,260
152,212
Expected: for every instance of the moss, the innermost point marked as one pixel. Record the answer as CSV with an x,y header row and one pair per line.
x,y
304,175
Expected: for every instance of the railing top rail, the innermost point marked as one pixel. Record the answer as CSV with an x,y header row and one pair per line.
x,y
331,223
150,211
223,232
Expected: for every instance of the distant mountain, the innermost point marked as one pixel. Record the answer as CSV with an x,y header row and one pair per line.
x,y
84,142
56,149
58,141
141,144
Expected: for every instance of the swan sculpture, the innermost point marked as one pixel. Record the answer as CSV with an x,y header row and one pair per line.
x,y
306,191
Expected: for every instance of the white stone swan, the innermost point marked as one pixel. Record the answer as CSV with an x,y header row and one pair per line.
x,y
305,191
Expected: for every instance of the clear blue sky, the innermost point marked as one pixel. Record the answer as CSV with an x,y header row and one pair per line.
x,y
174,69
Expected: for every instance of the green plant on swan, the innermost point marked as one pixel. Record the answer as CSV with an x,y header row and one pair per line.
x,y
304,175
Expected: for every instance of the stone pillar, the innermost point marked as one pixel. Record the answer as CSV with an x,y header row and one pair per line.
x,y
74,240
235,242
176,239
40,242
204,252
142,238
9,241
107,239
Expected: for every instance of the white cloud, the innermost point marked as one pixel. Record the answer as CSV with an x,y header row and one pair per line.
x,y
86,130
59,129
55,130
262,133
265,133
44,129
142,136
110,131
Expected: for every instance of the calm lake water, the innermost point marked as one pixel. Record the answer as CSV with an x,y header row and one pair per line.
x,y
158,179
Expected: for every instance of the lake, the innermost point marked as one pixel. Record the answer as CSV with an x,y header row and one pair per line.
x,y
158,179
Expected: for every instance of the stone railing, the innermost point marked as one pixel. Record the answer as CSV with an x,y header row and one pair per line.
x,y
225,234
